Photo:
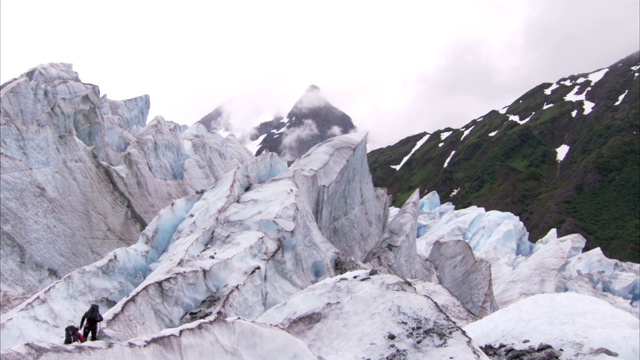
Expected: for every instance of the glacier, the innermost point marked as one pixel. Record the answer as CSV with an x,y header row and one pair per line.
x,y
187,238
260,236
595,324
82,175
519,268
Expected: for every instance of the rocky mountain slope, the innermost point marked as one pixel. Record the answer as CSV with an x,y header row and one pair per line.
x,y
311,120
564,155
82,174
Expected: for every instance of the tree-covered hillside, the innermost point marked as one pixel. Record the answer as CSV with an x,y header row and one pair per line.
x,y
508,160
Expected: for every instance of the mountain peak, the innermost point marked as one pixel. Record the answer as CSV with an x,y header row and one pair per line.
x,y
311,120
312,98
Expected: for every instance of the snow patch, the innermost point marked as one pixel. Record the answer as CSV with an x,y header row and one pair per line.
x,y
588,106
573,97
503,110
596,76
516,118
546,106
493,133
574,113
466,132
620,98
255,145
415,148
562,151
445,134
446,163
550,89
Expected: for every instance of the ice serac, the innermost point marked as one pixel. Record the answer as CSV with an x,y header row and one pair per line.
x,y
82,175
466,277
549,256
59,208
340,168
519,268
397,250
377,316
260,234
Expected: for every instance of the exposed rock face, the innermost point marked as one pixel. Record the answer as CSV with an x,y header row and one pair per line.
x,y
311,120
82,175
217,120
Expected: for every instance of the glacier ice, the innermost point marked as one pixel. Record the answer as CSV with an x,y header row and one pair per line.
x,y
297,259
466,277
82,175
576,323
260,234
377,316
396,250
520,268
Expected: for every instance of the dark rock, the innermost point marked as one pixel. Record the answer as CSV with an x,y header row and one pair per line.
x,y
542,347
606,351
517,354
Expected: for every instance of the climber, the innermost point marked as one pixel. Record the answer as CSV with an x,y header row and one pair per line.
x,y
93,317
72,334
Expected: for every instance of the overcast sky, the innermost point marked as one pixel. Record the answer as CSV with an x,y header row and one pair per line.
x,y
397,68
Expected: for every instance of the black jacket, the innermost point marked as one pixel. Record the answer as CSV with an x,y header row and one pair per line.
x,y
92,317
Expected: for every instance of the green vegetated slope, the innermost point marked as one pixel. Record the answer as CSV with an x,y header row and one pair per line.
x,y
507,165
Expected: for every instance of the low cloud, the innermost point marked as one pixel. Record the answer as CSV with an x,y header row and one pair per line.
x,y
293,136
335,131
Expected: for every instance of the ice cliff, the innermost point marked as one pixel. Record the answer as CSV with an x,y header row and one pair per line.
x,y
82,175
262,239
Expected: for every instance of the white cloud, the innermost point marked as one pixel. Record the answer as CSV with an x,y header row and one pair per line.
x,y
293,136
335,131
395,69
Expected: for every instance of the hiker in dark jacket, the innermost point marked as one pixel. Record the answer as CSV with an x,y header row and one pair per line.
x,y
93,317
71,335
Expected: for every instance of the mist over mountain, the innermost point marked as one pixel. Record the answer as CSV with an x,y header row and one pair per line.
x,y
311,120
192,247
